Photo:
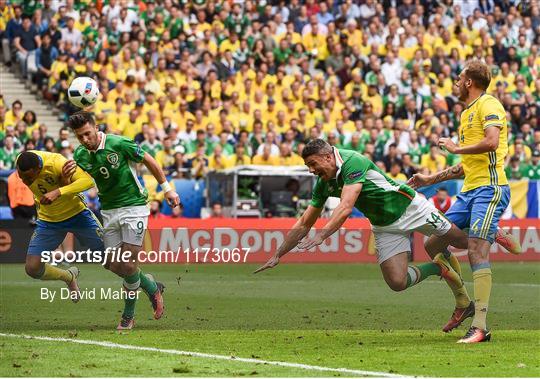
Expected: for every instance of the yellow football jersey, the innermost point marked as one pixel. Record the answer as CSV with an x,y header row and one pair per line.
x,y
487,168
71,202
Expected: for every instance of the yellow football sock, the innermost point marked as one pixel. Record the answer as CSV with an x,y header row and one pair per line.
x,y
482,290
54,273
461,295
454,262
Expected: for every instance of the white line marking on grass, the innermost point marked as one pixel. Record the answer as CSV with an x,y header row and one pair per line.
x,y
29,283
206,355
530,285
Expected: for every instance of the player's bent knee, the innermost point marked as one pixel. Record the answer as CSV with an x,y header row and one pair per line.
x,y
396,285
33,270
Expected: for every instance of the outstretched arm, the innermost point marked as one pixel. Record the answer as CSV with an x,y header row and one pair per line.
x,y
298,231
421,180
349,195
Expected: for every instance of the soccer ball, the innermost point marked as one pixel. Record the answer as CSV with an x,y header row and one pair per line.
x,y
83,92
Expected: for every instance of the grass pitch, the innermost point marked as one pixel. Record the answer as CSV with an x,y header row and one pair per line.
x,y
333,316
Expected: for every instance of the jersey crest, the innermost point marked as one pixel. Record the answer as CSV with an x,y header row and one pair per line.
x,y
113,159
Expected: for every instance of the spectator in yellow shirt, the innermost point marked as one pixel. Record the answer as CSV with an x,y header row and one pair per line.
x,y
150,103
374,98
396,174
218,161
199,163
270,113
165,157
519,149
266,159
315,42
240,157
14,115
427,122
313,114
116,117
287,157
132,126
354,36
434,161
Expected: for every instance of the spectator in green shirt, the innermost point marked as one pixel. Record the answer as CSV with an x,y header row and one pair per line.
x,y
151,144
356,143
283,52
237,21
8,153
194,145
515,170
532,170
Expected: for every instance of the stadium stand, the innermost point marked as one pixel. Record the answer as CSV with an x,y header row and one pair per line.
x,y
207,85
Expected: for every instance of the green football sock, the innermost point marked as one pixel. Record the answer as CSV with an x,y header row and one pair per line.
x,y
415,274
131,283
147,284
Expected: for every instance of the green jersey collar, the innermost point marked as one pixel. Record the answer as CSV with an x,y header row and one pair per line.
x,y
102,142
339,161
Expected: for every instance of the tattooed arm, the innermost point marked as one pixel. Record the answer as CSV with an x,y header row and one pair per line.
x,y
420,180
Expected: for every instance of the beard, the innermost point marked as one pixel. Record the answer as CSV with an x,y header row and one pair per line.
x,y
463,94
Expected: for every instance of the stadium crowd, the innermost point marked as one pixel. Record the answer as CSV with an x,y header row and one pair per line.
x,y
207,85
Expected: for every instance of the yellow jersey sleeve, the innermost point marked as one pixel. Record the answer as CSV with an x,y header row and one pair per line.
x,y
492,113
80,181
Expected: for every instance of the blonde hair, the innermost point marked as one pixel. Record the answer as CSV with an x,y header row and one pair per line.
x,y
478,72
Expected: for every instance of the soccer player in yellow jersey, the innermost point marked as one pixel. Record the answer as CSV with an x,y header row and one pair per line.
x,y
485,194
60,209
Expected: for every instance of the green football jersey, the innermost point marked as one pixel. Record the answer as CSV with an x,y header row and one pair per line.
x,y
532,171
112,166
8,157
381,200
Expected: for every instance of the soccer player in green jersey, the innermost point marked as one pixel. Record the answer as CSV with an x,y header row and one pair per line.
x,y
394,210
110,160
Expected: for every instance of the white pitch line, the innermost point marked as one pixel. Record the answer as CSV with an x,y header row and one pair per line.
x,y
528,285
30,283
206,355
